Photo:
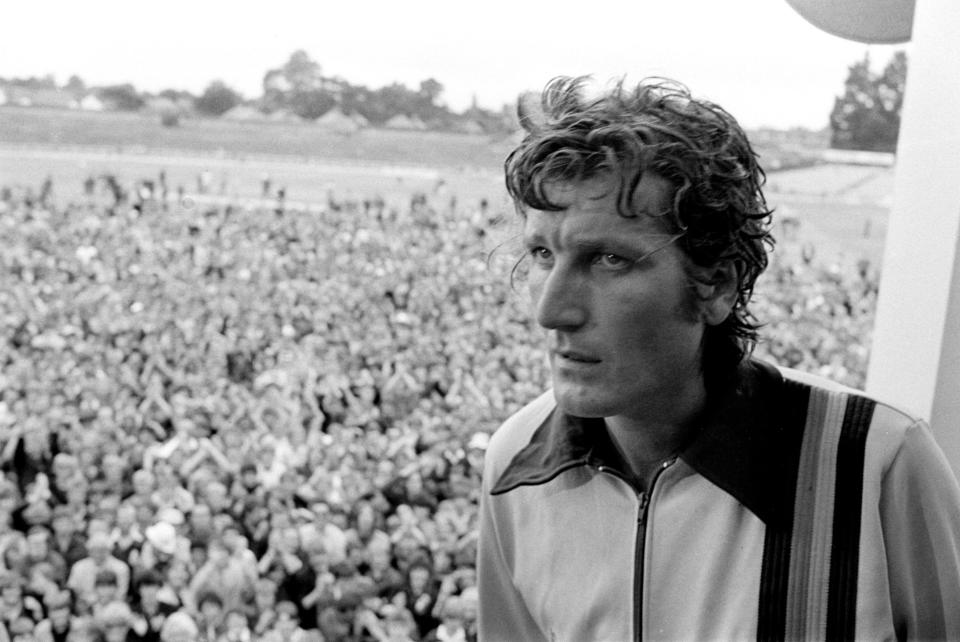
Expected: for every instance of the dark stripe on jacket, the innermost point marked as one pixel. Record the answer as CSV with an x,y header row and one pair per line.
x,y
845,549
775,569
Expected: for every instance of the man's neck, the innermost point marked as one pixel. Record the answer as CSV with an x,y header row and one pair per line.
x,y
646,440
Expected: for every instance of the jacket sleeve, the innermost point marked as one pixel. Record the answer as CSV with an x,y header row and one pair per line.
x,y
920,514
503,614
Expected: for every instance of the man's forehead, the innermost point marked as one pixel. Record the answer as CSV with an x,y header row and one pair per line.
x,y
651,195
594,222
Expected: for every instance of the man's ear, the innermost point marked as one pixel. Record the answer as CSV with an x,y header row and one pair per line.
x,y
717,292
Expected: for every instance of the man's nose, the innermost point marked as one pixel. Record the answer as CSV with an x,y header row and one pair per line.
x,y
560,300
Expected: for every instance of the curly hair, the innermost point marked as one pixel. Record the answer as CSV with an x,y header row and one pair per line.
x,y
717,201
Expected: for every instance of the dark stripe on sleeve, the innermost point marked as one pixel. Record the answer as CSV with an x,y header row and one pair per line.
x,y
774,576
845,550
775,569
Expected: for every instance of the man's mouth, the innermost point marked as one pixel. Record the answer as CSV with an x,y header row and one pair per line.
x,y
576,357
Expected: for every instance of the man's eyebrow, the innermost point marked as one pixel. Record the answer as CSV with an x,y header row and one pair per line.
x,y
636,242
533,236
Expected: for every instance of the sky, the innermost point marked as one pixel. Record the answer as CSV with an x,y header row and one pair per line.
x,y
759,59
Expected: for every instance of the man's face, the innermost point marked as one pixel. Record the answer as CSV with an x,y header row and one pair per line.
x,y
233,540
106,593
116,632
419,576
218,554
200,517
250,478
59,617
10,595
621,337
143,483
37,548
286,625
216,496
291,540
148,593
98,553
236,621
198,555
63,526
126,517
211,611
265,597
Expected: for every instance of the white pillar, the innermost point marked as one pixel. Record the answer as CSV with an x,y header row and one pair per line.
x,y
915,360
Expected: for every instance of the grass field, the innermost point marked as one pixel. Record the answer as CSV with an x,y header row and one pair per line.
x,y
137,132
841,209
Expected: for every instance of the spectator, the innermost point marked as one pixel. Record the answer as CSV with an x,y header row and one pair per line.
x,y
161,546
420,595
58,623
265,606
287,625
209,616
452,623
66,542
149,612
83,575
113,621
105,591
180,627
175,589
236,627
39,551
230,579
15,605
200,528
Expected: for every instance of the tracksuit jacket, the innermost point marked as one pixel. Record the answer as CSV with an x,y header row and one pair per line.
x,y
802,511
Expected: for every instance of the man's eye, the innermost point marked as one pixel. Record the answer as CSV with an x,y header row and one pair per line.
x,y
611,261
540,254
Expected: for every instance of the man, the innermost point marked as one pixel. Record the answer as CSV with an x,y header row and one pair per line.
x,y
83,576
149,613
40,552
232,580
66,542
668,486
113,621
57,625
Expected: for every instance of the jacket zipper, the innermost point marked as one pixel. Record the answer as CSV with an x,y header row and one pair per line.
x,y
640,546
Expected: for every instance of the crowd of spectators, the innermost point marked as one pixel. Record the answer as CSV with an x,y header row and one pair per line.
x,y
229,423
817,317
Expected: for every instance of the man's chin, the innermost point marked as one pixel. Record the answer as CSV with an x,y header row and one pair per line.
x,y
579,403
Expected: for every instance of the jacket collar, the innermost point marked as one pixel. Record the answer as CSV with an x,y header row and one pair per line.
x,y
742,445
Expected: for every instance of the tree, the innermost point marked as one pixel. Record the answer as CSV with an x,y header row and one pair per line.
x,y
298,85
311,103
867,115
32,82
177,95
302,72
122,97
430,90
217,99
75,85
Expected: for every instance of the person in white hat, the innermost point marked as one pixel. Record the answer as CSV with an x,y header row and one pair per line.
x,y
162,537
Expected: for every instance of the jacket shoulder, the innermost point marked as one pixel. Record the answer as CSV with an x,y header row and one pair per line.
x,y
890,425
890,413
515,433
